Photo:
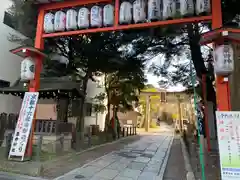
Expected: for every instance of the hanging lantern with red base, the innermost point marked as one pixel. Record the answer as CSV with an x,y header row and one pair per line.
x,y
223,63
28,73
223,53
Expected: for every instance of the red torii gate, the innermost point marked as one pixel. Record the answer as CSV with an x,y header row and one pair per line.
x,y
223,98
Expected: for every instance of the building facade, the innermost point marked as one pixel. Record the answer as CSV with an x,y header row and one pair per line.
x,y
10,72
10,63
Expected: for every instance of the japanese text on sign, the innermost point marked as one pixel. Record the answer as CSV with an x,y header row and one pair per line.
x,y
24,124
228,127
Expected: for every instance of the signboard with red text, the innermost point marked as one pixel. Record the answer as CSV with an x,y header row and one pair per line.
x,y
24,124
228,128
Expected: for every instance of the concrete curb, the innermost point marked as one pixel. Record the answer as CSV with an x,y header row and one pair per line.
x,y
188,167
164,165
9,175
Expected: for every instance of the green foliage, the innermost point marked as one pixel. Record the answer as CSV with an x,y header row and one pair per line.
x,y
123,86
153,125
120,56
176,67
108,53
99,103
154,100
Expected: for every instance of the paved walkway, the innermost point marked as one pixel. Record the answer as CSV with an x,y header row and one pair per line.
x,y
145,159
175,169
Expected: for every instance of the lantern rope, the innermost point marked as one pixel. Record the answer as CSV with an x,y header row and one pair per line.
x,y
201,155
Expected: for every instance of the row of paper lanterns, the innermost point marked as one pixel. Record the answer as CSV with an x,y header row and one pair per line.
x,y
138,12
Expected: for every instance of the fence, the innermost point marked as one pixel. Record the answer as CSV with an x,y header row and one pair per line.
x,y
44,151
42,126
104,137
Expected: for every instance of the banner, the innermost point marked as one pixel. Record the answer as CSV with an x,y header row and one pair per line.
x,y
24,124
228,128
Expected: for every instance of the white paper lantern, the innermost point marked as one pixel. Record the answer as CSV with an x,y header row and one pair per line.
x,y
203,6
108,15
154,9
186,7
139,11
71,19
223,60
27,69
125,16
60,21
96,16
169,9
83,18
48,23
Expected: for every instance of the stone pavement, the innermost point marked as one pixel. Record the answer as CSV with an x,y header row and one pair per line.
x,y
145,159
175,169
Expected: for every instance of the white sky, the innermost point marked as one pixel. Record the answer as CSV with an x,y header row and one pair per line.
x,y
152,79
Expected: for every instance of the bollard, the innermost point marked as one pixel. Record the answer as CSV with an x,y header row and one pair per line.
x,y
39,148
89,136
123,132
8,143
127,131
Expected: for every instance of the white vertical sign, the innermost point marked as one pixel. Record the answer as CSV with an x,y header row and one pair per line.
x,y
24,124
228,127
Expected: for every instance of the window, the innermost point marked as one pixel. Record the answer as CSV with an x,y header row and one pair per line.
x,y
8,20
89,109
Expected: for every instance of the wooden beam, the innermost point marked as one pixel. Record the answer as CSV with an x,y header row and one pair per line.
x,y
69,4
130,26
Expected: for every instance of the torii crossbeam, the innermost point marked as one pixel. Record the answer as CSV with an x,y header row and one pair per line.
x,y
215,18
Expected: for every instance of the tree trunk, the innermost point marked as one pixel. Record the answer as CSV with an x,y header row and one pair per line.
x,y
80,119
107,119
234,81
62,113
196,54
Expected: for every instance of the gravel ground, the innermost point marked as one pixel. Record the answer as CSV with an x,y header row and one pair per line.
x,y
212,167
